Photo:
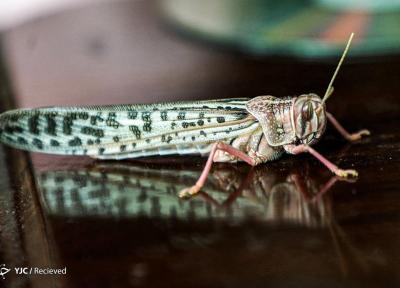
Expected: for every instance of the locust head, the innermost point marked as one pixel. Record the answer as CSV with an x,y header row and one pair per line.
x,y
293,120
309,118
290,120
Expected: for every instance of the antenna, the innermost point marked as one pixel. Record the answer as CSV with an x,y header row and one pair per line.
x,y
329,90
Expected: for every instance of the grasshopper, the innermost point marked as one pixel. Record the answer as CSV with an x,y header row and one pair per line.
x,y
254,130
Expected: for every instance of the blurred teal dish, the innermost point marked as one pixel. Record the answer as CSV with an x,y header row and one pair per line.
x,y
291,27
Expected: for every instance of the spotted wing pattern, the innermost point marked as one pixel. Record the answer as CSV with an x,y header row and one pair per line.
x,y
120,131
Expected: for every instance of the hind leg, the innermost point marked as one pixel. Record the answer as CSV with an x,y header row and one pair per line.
x,y
187,192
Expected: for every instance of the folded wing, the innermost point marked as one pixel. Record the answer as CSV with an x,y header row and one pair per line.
x,y
102,131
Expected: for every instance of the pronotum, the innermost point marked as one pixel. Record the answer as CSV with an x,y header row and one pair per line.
x,y
254,130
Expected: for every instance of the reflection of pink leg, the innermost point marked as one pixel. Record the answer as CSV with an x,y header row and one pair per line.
x,y
203,177
300,185
232,196
343,132
339,172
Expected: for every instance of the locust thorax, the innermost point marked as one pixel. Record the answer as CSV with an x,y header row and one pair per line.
x,y
309,118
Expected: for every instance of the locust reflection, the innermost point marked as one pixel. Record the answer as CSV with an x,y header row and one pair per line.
x,y
133,190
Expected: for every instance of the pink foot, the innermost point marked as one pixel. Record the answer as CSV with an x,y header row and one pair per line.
x,y
189,192
358,135
346,173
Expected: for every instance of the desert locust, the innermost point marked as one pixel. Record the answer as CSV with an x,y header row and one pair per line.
x,y
254,130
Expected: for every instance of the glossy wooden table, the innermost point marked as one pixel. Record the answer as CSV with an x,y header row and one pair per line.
x,y
117,224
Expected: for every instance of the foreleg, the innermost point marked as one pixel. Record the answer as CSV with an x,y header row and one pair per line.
x,y
343,132
336,170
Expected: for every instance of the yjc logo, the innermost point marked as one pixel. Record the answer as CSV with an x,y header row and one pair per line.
x,y
4,270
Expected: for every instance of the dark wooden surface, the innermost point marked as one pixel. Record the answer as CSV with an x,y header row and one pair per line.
x,y
116,224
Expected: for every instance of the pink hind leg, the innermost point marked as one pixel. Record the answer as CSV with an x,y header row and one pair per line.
x,y
203,177
343,132
339,172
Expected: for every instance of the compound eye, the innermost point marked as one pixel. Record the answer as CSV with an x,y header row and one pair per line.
x,y
307,111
